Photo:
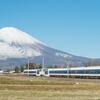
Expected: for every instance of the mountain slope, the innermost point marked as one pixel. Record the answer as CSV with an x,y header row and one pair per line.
x,y
16,46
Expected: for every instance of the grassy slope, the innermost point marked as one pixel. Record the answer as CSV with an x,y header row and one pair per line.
x,y
36,88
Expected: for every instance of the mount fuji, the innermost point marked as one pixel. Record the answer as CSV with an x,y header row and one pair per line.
x,y
17,46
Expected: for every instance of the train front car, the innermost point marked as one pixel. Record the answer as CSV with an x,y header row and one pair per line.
x,y
36,72
31,72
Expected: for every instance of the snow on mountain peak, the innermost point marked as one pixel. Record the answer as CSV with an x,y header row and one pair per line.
x,y
17,44
63,55
10,34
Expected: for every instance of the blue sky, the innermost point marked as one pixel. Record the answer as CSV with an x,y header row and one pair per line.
x,y
69,25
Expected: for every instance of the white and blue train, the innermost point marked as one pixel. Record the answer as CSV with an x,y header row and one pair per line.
x,y
36,72
72,72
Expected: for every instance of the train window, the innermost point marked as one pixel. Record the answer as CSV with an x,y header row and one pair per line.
x,y
58,72
80,71
25,71
83,71
76,71
89,71
97,71
71,71
32,71
93,71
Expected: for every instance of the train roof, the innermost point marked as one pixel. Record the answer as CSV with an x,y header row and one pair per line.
x,y
30,70
76,68
80,68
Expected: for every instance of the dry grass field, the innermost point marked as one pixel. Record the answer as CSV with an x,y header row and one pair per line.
x,y
17,87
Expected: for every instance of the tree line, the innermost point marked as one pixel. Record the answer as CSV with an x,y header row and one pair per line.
x,y
39,66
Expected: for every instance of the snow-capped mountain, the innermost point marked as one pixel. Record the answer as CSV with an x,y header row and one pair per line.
x,y
16,46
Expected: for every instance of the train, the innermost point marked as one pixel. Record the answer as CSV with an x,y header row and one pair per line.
x,y
91,72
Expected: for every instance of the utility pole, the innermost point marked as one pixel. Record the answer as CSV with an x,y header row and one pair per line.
x,y
67,70
12,67
28,65
67,64
43,63
42,70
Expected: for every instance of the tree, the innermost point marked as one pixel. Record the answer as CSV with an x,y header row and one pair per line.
x,y
21,68
40,66
55,66
17,69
